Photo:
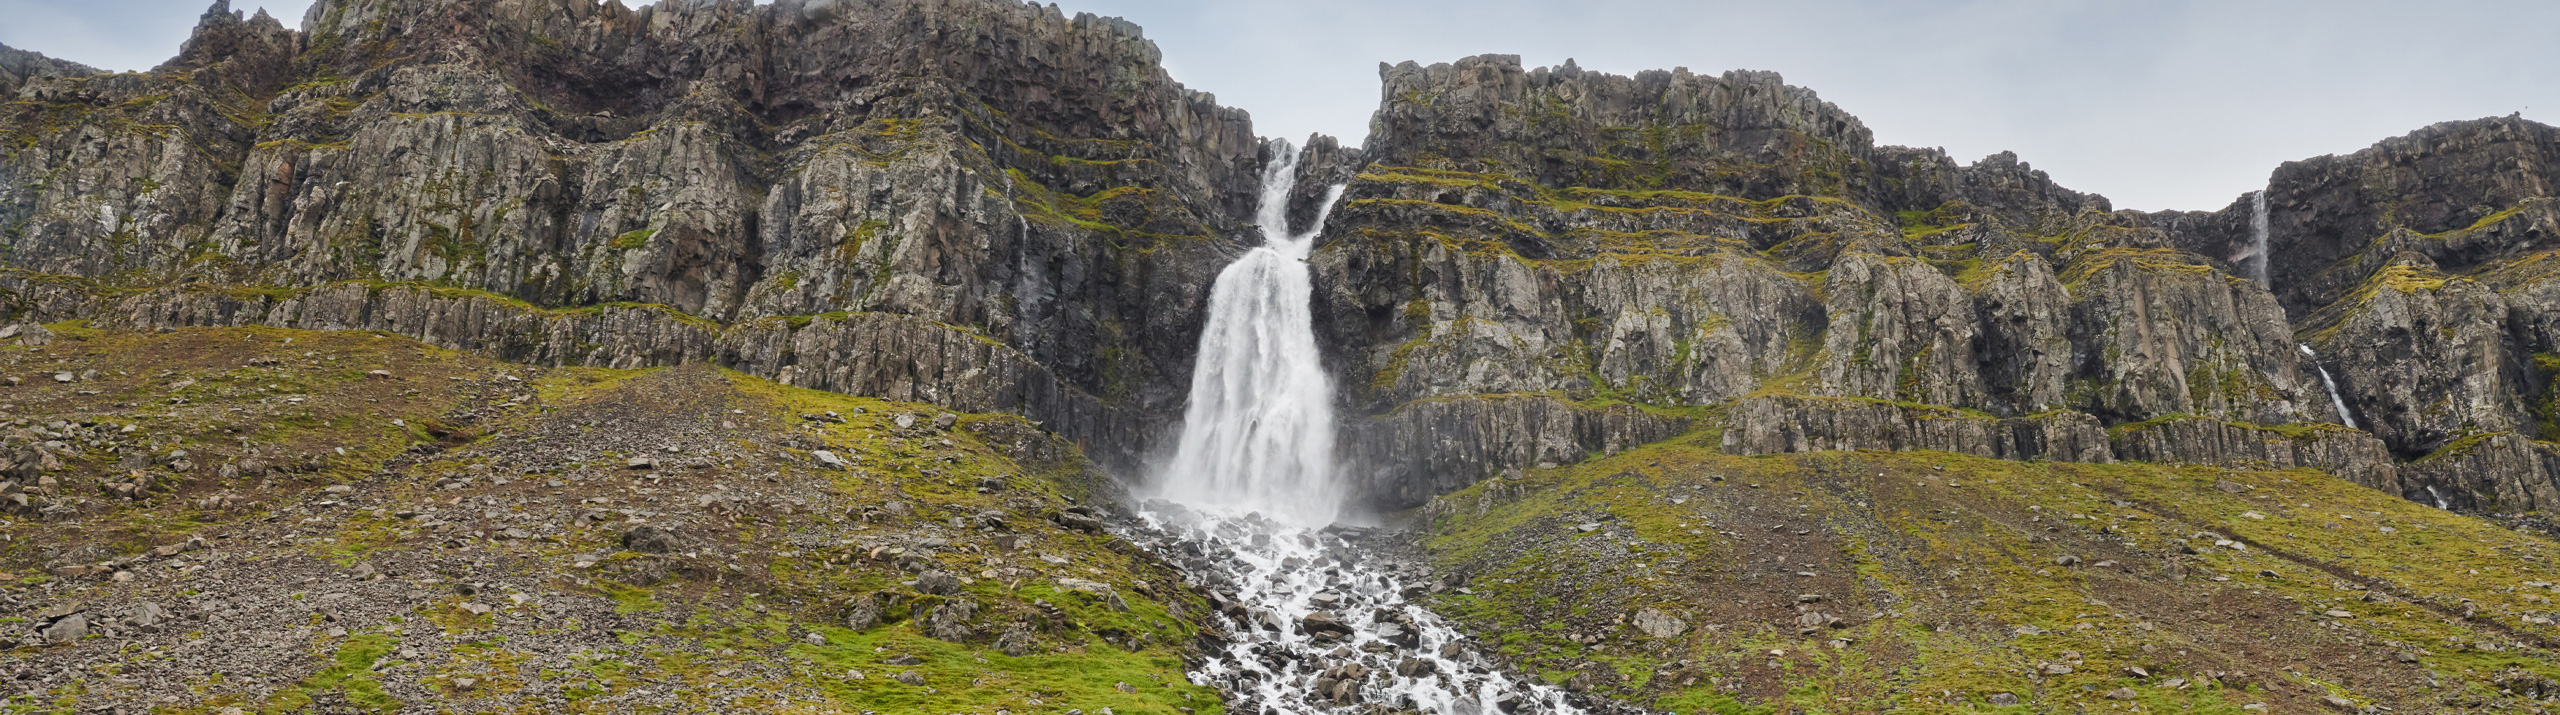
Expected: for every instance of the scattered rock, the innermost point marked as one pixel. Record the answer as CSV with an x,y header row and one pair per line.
x,y
1016,641
146,617
1658,624
937,583
70,628
1079,521
649,540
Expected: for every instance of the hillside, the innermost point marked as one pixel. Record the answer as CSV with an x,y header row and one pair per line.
x,y
261,520
817,356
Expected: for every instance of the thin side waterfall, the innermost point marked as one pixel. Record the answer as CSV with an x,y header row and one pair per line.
x,y
2258,238
2258,229
2344,417
1313,623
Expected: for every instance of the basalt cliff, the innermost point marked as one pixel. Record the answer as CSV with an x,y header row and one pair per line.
x,y
1536,282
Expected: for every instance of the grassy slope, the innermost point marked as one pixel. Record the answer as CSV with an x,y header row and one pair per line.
x,y
726,624
1936,562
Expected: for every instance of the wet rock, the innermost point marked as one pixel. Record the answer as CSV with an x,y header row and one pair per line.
x,y
1399,635
1322,624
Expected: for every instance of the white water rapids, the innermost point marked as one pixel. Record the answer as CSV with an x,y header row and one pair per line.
x,y
1312,623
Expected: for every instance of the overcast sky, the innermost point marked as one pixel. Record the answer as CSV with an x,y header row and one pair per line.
x,y
2158,105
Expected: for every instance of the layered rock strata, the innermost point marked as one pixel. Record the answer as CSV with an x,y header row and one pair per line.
x,y
998,206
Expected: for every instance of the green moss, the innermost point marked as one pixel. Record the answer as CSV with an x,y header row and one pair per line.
x,y
350,673
73,330
634,240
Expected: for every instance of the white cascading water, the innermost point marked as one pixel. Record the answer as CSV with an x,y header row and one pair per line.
x,y
2440,502
2345,417
2258,238
1312,624
1258,434
2258,229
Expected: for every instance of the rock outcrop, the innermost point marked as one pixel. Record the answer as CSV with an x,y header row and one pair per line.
x,y
18,66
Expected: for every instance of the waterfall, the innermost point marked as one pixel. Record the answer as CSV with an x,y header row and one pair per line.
x,y
1258,434
2258,247
2440,502
2345,417
1314,623
2258,238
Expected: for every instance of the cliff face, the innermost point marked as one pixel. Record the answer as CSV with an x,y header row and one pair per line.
x,y
1734,252
1004,208
2418,269
981,171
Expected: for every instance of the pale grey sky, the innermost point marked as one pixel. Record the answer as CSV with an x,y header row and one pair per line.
x,y
2163,104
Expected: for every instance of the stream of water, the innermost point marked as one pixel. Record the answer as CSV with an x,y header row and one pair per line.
x,y
2258,230
2258,239
2340,403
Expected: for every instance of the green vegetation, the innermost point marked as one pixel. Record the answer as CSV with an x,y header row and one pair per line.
x,y
1950,575
634,240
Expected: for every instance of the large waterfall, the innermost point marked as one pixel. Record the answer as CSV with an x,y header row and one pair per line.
x,y
1314,622
1258,434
